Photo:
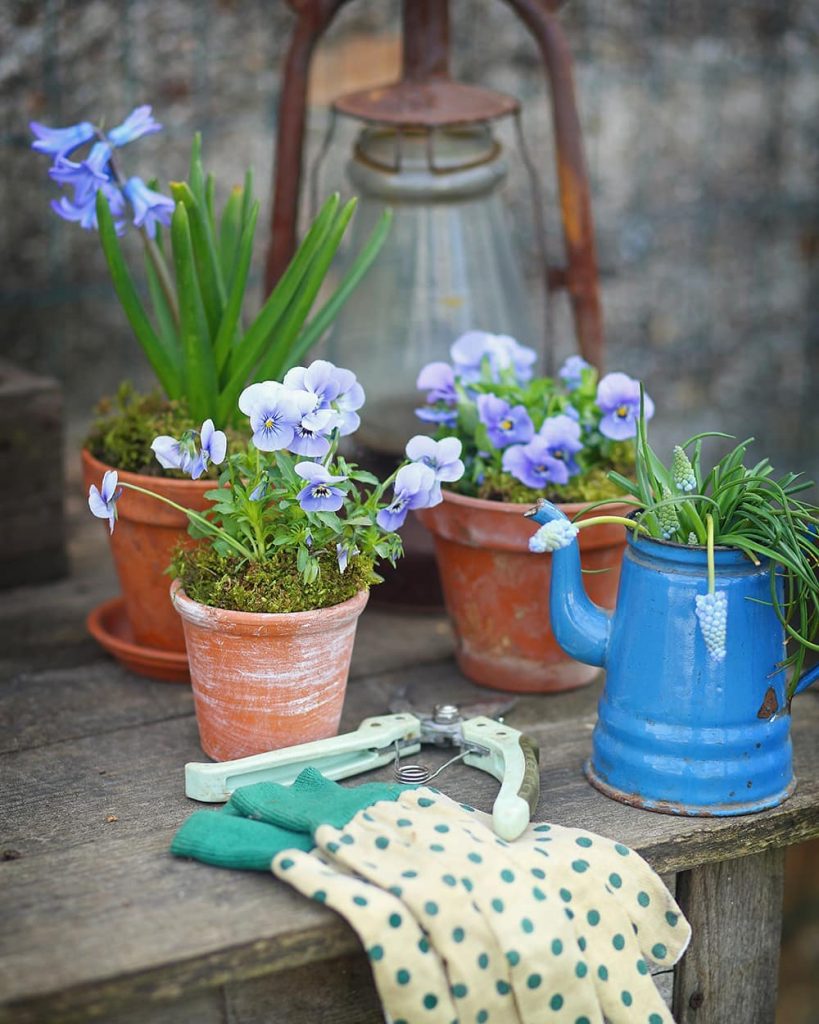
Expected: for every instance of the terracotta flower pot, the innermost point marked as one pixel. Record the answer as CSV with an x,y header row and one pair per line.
x,y
497,591
145,534
264,681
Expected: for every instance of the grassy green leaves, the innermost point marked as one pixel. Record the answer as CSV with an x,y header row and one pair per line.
x,y
193,327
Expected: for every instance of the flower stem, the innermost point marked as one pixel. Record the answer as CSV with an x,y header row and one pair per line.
x,y
196,517
631,524
162,273
709,525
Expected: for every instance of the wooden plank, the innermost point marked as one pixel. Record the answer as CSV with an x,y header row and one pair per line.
x,y
729,972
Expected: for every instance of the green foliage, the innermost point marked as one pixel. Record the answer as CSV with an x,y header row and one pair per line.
x,y
191,329
750,510
275,585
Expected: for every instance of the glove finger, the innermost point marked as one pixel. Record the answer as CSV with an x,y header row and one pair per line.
x,y
625,989
393,859
226,841
408,975
548,974
663,931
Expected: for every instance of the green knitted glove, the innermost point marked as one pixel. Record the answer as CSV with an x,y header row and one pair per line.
x,y
228,841
311,801
264,819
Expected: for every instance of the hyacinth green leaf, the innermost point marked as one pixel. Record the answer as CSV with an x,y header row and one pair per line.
x,y
250,348
247,196
277,354
200,370
329,311
206,260
210,203
233,308
230,231
196,175
158,356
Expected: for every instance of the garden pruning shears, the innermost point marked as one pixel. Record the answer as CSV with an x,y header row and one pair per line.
x,y
485,743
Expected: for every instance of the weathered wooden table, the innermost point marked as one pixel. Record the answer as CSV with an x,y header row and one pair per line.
x,y
100,923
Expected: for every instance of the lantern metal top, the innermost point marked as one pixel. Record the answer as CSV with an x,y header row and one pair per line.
x,y
435,103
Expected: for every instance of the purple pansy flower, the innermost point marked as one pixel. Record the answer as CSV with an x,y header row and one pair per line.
x,y
61,141
184,454
618,396
88,176
549,457
313,425
500,351
103,501
331,387
413,488
273,414
571,372
505,424
344,554
443,458
319,495
444,417
150,208
138,123
438,380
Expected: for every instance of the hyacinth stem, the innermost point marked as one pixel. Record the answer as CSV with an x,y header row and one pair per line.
x,y
201,520
162,273
709,525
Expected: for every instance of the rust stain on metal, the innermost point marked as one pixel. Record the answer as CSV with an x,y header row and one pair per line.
x,y
769,706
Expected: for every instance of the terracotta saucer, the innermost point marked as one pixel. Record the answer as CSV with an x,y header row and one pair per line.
x,y
109,626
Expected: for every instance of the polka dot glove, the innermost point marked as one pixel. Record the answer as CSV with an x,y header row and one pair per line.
x,y
556,926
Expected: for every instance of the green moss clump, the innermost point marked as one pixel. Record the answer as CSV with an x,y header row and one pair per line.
x,y
592,486
126,424
227,581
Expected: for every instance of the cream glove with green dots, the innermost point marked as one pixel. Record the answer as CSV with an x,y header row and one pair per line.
x,y
553,927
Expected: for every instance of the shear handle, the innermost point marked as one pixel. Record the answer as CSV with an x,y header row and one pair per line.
x,y
370,746
513,761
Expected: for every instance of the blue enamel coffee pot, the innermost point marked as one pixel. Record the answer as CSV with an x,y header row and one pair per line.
x,y
679,730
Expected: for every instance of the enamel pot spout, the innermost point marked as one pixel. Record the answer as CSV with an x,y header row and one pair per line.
x,y
687,724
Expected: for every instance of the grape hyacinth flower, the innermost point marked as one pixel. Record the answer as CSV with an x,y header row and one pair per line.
x,y
273,414
682,472
414,487
504,424
61,141
552,536
103,501
319,495
138,123
667,516
571,372
618,396
549,457
712,614
150,207
475,349
443,458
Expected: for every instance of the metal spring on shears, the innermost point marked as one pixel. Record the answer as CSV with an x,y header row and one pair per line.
x,y
419,774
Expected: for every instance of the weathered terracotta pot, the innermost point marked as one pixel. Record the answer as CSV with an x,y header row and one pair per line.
x,y
497,592
264,681
146,533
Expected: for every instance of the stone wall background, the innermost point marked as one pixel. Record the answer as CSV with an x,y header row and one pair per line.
x,y
700,126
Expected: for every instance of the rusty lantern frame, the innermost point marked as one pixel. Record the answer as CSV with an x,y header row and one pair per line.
x,y
426,98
